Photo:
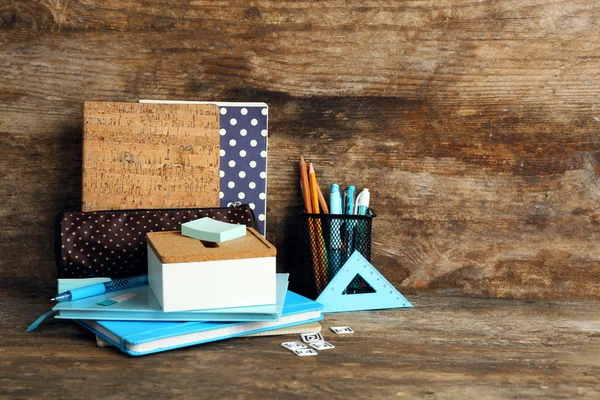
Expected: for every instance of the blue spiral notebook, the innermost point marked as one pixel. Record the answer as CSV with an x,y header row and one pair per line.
x,y
141,338
145,307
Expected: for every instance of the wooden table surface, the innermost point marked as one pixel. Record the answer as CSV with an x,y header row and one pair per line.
x,y
446,347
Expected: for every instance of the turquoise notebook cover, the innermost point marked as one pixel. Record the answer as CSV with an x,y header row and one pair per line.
x,y
140,338
145,307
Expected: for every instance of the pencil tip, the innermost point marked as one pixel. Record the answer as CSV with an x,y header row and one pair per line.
x,y
311,169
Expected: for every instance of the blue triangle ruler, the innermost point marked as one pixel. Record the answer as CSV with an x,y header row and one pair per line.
x,y
385,296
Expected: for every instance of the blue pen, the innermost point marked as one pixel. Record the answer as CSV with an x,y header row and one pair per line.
x,y
349,200
335,239
349,210
99,288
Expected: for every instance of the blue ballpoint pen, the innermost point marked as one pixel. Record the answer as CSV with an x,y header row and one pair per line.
x,y
349,210
349,200
99,288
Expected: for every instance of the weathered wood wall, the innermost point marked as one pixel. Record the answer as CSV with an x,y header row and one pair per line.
x,y
474,124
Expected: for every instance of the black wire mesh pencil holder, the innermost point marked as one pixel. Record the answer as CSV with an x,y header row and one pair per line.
x,y
329,240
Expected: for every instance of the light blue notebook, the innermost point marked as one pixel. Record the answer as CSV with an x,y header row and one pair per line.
x,y
140,338
145,307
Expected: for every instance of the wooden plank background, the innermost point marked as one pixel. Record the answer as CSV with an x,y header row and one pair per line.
x,y
474,124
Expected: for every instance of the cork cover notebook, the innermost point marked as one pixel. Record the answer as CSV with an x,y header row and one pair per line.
x,y
173,247
148,156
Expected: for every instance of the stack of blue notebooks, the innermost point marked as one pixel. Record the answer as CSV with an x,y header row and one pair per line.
x,y
138,326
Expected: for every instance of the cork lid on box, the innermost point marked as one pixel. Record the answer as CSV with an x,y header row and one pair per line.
x,y
173,247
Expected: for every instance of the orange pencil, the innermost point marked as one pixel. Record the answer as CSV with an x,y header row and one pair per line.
x,y
314,194
321,266
322,201
305,186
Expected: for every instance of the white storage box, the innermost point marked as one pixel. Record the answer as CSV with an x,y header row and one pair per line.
x,y
187,274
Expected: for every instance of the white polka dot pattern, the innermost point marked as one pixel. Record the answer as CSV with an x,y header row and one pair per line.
x,y
244,158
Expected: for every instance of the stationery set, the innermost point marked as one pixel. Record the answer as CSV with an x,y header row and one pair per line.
x,y
168,249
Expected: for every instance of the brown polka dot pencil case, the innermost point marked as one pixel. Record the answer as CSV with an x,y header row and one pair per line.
x,y
113,243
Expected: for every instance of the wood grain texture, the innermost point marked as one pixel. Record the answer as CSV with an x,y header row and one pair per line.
x,y
147,156
474,124
445,348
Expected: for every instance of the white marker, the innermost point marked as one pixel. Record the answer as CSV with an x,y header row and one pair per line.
x,y
362,202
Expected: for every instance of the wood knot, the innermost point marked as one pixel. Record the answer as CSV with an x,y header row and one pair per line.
x,y
419,284
34,17
8,19
252,13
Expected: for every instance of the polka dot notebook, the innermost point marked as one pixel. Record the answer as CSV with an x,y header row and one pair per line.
x,y
243,150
